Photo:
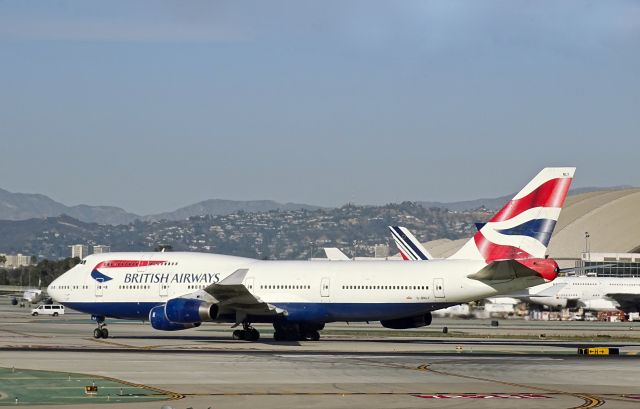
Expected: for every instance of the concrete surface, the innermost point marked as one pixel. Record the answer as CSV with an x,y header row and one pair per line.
x,y
357,366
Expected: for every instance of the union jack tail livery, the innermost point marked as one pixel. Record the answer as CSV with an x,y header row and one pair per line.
x,y
522,228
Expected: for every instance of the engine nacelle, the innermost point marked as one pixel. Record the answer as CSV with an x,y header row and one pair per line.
x,y
553,302
160,322
408,322
188,311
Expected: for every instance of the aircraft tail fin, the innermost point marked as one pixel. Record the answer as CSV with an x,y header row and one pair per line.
x,y
523,227
410,248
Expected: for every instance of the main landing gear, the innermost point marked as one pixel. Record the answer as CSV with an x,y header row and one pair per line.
x,y
247,333
286,331
101,331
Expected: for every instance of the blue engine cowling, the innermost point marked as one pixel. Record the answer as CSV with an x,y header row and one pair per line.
x,y
160,322
188,311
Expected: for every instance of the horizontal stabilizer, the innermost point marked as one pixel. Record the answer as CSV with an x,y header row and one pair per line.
x,y
504,270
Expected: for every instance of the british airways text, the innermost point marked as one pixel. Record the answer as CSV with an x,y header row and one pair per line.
x,y
179,278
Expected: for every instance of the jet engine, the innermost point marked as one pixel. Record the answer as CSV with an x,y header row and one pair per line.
x,y
408,322
160,322
188,311
553,302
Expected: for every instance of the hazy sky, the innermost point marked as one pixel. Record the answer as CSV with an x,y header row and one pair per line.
x,y
155,105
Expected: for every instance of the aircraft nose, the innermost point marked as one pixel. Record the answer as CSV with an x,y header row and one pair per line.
x,y
51,290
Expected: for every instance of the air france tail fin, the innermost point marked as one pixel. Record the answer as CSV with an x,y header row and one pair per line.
x,y
409,247
522,228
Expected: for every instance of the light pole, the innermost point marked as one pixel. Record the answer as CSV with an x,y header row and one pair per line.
x,y
586,245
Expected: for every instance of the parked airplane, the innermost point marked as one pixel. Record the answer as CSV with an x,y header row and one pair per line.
x,y
176,291
589,293
566,292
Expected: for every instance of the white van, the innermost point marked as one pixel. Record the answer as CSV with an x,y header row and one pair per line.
x,y
48,309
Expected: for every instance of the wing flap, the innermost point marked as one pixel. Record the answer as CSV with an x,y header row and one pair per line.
x,y
232,294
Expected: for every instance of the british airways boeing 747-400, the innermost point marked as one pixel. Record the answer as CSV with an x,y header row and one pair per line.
x,y
177,291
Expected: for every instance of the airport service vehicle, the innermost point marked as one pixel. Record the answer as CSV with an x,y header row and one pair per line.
x,y
177,291
48,309
588,293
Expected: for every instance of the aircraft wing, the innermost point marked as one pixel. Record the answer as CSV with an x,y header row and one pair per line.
x,y
549,292
629,302
232,294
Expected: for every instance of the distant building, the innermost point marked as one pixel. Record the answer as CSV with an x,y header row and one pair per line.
x,y
101,249
381,251
16,260
611,264
79,250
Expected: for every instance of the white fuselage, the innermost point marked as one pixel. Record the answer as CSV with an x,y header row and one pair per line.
x,y
589,293
128,285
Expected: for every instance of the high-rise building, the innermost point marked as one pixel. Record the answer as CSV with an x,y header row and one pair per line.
x,y
101,249
16,260
79,250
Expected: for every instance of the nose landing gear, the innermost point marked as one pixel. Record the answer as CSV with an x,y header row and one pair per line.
x,y
101,331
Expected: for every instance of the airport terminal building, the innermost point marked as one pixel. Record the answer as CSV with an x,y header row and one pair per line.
x,y
611,264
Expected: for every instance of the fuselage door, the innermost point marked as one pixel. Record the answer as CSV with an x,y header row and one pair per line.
x,y
99,285
249,284
324,287
438,287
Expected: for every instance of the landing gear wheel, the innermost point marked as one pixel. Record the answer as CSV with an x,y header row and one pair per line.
x,y
251,334
247,333
101,331
313,336
238,334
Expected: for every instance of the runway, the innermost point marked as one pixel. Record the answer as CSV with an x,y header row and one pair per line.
x,y
204,368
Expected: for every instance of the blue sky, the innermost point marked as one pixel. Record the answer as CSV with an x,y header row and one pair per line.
x,y
155,105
